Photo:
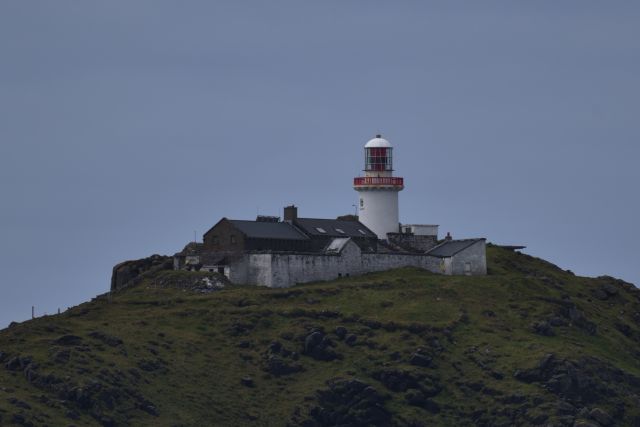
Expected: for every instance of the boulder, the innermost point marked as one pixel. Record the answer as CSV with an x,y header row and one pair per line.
x,y
318,346
419,358
110,340
601,417
543,328
341,332
349,403
396,380
417,398
351,339
277,366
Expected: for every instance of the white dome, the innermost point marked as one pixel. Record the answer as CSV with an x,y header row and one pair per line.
x,y
378,142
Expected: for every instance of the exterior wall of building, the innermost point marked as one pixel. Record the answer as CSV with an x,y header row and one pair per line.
x,y
421,243
420,229
224,237
378,210
471,261
286,269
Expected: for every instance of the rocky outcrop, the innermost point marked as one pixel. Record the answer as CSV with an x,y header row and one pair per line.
x,y
583,381
128,273
348,403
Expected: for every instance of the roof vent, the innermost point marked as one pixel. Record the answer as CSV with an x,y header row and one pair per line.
x,y
265,218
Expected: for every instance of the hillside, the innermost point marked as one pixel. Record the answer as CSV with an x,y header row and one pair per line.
x,y
529,344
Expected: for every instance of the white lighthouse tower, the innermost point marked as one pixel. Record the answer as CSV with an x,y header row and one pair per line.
x,y
378,189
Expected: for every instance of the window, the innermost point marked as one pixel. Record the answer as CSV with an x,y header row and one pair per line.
x,y
321,230
233,239
215,240
340,230
361,203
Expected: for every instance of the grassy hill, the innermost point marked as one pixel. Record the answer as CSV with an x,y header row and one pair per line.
x,y
529,344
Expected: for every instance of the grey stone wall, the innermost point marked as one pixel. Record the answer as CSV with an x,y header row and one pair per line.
x,y
413,242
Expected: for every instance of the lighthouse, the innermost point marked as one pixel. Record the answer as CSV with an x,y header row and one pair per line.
x,y
378,189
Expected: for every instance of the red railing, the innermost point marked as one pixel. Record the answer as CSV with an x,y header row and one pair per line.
x,y
378,180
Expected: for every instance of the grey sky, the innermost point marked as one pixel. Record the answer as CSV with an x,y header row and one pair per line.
x,y
127,125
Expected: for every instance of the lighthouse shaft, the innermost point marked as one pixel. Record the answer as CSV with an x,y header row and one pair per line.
x,y
378,189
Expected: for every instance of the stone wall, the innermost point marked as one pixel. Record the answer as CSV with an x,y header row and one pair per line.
x,y
279,270
419,243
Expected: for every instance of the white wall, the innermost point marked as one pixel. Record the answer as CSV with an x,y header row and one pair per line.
x,y
379,211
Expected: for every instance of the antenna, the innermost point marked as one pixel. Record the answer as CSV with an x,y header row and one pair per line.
x,y
194,236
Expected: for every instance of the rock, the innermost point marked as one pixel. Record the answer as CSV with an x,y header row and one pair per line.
x,y
247,382
127,273
351,339
543,328
74,415
61,356
579,320
19,403
584,423
68,340
557,321
150,365
396,380
275,347
373,324
417,398
19,419
601,417
341,332
3,356
106,338
18,363
625,329
600,294
420,359
565,408
349,403
610,289
278,367
318,346
515,398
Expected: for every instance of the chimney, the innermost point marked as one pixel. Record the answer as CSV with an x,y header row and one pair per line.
x,y
448,236
290,213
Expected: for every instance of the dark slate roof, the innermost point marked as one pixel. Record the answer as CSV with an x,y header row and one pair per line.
x,y
268,230
451,247
331,226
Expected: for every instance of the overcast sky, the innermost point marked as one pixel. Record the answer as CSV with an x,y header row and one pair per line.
x,y
125,126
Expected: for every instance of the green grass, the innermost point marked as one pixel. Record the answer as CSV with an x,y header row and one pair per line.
x,y
191,335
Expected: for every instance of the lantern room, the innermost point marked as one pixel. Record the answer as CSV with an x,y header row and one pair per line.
x,y
378,155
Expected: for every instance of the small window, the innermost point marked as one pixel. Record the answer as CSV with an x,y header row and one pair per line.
x,y
321,230
362,231
233,239
215,240
340,230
